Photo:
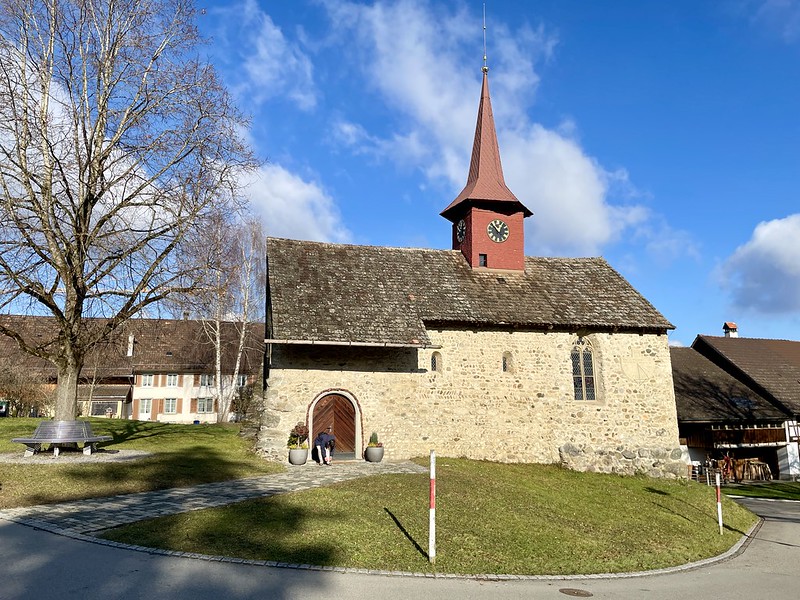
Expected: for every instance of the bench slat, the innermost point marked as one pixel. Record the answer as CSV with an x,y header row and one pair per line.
x,y
62,432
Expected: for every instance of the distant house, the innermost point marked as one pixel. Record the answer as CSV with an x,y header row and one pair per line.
x,y
739,396
152,369
475,351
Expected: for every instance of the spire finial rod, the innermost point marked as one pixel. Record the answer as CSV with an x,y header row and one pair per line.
x,y
485,68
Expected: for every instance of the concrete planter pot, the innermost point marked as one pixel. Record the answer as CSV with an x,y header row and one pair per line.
x,y
298,456
373,453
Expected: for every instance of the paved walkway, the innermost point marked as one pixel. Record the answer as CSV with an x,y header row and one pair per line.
x,y
93,515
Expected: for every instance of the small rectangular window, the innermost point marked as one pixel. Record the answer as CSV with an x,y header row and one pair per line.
x,y
482,261
172,380
170,406
206,380
205,405
241,380
147,380
145,404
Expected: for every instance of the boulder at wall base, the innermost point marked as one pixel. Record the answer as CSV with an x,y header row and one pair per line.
x,y
660,463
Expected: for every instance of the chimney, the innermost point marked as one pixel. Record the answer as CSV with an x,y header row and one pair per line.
x,y
730,329
130,345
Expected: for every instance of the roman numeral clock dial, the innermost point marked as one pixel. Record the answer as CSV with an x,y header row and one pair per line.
x,y
461,231
497,231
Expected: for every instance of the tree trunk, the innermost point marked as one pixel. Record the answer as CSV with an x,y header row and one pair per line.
x,y
67,391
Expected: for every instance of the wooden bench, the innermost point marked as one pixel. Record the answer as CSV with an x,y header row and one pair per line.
x,y
58,433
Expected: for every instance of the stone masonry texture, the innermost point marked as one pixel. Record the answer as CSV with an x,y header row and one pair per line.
x,y
470,407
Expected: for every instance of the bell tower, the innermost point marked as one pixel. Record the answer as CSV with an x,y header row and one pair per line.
x,y
487,217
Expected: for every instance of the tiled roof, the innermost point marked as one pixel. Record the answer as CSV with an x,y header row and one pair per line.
x,y
704,392
372,294
771,365
104,392
159,345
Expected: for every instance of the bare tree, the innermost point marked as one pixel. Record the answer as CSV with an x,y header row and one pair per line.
x,y
26,388
232,303
117,141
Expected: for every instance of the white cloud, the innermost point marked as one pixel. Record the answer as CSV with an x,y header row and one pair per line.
x,y
294,208
763,275
779,16
261,63
418,70
565,188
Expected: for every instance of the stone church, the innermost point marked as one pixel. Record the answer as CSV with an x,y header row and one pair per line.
x,y
478,351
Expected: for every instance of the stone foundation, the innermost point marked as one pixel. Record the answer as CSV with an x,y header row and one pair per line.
x,y
653,462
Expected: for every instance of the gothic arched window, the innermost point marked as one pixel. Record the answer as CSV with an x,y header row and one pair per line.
x,y
583,370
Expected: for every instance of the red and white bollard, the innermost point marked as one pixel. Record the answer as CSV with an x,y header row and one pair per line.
x,y
719,504
432,515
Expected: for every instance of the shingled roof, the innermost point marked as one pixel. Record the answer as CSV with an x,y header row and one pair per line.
x,y
336,293
771,366
706,393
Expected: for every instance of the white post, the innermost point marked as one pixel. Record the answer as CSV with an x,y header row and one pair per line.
x,y
432,515
719,504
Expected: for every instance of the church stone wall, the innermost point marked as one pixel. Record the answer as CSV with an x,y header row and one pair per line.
x,y
472,408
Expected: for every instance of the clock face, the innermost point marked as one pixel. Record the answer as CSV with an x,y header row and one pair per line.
x,y
497,231
461,231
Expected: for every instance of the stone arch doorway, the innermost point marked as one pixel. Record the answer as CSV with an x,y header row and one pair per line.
x,y
337,410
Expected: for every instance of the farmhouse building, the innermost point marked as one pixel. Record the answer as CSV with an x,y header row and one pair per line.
x,y
150,370
476,351
741,397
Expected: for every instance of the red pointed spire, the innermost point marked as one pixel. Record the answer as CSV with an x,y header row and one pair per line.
x,y
485,182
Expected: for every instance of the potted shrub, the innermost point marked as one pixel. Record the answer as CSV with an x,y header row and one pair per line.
x,y
298,444
374,451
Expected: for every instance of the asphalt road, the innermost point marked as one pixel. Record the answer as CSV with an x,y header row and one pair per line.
x,y
35,564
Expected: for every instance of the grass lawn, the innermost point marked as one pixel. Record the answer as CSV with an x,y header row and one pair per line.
x,y
491,518
782,490
182,455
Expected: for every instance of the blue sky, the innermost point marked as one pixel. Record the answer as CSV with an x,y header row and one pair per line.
x,y
663,136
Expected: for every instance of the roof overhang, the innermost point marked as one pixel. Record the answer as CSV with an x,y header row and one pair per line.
x,y
351,343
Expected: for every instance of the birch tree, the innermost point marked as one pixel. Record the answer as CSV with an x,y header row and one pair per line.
x,y
117,141
232,304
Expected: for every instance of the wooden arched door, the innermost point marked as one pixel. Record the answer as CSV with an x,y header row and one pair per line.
x,y
338,412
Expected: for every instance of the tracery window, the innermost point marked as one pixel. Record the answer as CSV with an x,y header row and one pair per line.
x,y
583,378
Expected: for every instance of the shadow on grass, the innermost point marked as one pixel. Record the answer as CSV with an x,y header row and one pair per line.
x,y
405,532
179,468
232,533
780,490
122,430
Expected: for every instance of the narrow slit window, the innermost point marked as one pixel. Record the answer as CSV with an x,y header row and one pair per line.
x,y
508,362
482,260
436,362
